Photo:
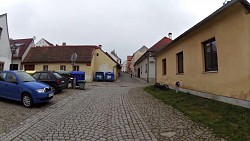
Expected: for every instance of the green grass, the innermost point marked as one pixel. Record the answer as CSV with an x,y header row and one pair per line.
x,y
227,121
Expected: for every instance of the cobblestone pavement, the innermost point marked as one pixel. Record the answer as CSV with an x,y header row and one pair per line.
x,y
108,111
12,112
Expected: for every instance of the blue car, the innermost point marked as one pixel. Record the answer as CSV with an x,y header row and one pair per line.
x,y
20,86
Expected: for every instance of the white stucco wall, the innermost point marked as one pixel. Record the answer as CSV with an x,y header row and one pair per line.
x,y
115,58
124,66
150,74
42,43
5,52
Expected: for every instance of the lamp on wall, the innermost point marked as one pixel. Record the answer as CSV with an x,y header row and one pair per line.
x,y
13,51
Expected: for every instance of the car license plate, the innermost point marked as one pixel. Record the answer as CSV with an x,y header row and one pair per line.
x,y
50,95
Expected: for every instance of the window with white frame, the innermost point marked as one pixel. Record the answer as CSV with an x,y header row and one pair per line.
x,y
63,67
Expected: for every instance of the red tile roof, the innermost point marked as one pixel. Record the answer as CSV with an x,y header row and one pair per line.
x,y
56,54
159,45
155,48
22,44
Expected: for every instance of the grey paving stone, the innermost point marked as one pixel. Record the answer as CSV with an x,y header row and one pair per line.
x,y
109,111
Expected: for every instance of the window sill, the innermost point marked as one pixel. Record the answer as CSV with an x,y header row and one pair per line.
x,y
179,73
207,72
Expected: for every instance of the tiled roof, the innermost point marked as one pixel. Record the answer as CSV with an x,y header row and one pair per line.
x,y
155,48
159,45
22,44
55,54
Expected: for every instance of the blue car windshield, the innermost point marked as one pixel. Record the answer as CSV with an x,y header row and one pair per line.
x,y
25,77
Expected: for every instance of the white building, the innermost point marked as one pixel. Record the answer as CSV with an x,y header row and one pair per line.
x,y
124,66
5,52
43,43
135,57
115,57
145,65
23,47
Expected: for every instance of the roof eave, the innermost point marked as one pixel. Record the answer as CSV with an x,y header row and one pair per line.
x,y
220,10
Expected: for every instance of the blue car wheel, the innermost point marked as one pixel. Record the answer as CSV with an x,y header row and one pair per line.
x,y
27,101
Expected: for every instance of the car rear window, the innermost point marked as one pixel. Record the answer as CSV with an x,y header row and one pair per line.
x,y
58,76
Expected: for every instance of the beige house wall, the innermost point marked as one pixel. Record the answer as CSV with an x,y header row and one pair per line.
x,y
231,31
103,63
56,67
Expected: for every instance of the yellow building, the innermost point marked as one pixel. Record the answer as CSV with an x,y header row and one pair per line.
x,y
90,59
212,58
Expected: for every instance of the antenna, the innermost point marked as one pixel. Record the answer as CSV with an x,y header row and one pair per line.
x,y
225,2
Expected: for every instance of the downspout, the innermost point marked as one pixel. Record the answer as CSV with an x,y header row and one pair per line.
x,y
148,67
155,68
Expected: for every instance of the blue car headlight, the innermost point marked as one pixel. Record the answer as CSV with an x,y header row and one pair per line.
x,y
40,90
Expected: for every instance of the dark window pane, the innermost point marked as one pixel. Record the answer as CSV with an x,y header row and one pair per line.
x,y
210,54
164,68
180,62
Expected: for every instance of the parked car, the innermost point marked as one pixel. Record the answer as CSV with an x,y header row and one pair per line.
x,y
52,78
20,86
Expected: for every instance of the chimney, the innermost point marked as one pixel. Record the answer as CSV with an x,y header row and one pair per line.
x,y
100,46
170,35
64,44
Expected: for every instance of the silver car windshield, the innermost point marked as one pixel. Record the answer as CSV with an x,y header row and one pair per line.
x,y
25,77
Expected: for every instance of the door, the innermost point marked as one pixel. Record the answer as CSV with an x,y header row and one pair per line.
x,y
139,72
12,87
3,90
29,67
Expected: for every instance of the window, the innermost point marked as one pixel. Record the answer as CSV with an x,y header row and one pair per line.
x,y
210,55
75,68
45,76
1,29
2,76
45,68
146,68
180,62
1,66
29,67
11,78
164,66
13,66
62,67
36,75
141,69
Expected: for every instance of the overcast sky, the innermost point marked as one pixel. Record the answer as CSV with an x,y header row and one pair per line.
x,y
122,25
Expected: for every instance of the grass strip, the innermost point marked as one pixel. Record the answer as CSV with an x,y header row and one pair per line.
x,y
225,120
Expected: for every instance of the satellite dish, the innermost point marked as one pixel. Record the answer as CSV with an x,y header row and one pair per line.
x,y
73,58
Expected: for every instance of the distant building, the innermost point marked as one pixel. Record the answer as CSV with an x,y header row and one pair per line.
x,y
135,57
5,51
90,59
115,57
43,43
23,47
128,64
145,65
124,66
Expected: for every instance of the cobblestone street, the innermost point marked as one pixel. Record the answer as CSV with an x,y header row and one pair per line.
x,y
109,111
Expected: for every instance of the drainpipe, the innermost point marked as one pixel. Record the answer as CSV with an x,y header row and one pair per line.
x,y
148,67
